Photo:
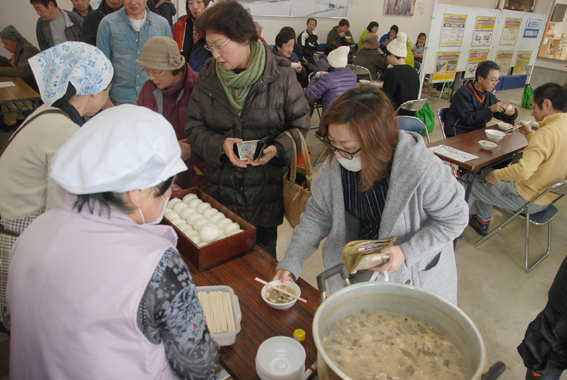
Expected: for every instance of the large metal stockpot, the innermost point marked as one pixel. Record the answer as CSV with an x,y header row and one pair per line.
x,y
404,299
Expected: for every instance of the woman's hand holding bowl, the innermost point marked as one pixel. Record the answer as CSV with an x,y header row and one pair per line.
x,y
283,276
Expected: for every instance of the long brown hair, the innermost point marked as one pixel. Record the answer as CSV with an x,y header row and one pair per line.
x,y
371,119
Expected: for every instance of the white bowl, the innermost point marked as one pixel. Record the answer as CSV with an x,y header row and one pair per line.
x,y
280,358
494,135
505,126
281,306
294,65
364,81
487,145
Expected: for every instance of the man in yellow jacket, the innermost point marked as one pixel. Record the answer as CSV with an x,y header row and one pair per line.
x,y
544,162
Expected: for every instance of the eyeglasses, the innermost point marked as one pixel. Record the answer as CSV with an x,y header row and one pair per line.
x,y
342,152
494,80
152,72
211,48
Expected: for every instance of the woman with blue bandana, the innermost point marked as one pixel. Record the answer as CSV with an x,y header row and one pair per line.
x,y
73,79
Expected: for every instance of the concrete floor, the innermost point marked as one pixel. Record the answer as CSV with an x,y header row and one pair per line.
x,y
494,290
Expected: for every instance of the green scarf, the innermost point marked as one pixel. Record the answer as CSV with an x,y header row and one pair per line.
x,y
243,81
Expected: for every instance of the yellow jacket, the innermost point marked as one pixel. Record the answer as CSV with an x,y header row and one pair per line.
x,y
544,161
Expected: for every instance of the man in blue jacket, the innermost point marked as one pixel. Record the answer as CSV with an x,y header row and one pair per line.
x,y
475,105
122,36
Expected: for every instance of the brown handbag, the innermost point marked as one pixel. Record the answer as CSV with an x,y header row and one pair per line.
x,y
297,183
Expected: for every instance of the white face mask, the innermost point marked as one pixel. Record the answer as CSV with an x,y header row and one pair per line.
x,y
354,165
160,217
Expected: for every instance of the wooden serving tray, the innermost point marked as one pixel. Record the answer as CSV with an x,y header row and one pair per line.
x,y
220,250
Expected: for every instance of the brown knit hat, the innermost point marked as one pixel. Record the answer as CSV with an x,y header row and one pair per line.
x,y
161,53
371,41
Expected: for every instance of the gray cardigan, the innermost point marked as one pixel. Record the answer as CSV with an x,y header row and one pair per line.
x,y
425,209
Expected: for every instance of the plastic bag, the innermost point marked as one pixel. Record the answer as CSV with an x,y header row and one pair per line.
x,y
527,96
426,115
365,254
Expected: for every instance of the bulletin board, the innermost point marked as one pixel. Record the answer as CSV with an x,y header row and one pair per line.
x,y
459,38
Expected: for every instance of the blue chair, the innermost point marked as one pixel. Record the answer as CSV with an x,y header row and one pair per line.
x,y
412,124
540,218
441,112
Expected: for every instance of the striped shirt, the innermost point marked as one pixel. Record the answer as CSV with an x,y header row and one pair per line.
x,y
366,206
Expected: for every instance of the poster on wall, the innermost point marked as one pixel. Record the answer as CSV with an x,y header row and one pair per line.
x,y
399,7
475,57
446,66
522,62
532,28
511,31
483,30
296,8
504,59
453,29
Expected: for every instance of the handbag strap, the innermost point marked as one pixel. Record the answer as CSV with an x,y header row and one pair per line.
x,y
27,121
306,160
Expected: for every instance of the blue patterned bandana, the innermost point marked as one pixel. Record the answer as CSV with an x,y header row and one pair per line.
x,y
85,66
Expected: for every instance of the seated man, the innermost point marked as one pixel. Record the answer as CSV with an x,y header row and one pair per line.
x,y
82,7
93,19
55,25
308,41
340,34
389,37
543,163
475,105
121,36
285,41
401,82
372,58
16,66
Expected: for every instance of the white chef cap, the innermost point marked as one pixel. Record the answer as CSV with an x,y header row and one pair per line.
x,y
121,149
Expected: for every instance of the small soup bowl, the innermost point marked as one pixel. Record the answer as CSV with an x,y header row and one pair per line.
x,y
487,145
291,287
494,135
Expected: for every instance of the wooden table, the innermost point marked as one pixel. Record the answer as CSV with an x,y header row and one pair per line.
x,y
468,142
259,321
21,92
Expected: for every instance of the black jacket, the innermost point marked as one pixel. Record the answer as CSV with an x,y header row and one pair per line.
x,y
275,103
309,44
401,83
92,21
470,111
167,10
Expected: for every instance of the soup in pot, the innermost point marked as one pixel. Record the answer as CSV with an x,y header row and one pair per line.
x,y
383,345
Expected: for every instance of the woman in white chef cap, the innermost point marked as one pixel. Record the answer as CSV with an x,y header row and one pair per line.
x,y
73,79
95,286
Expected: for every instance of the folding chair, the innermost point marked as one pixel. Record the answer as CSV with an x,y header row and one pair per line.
x,y
540,218
412,105
359,71
413,124
441,112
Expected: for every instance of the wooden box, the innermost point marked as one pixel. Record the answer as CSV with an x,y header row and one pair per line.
x,y
219,250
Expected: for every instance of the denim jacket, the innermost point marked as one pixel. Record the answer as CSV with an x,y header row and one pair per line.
x,y
117,39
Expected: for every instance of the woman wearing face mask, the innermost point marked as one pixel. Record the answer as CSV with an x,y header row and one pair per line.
x,y
74,79
98,269
381,182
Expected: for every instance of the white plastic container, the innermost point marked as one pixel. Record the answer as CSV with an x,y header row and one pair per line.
x,y
226,339
280,358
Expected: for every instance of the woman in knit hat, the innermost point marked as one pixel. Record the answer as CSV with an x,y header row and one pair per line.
x,y
167,91
74,80
371,57
329,86
401,82
246,93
